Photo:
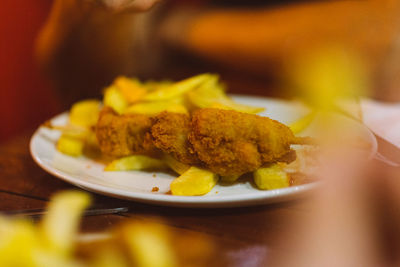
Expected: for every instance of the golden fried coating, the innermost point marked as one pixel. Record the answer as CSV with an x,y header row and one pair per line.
x,y
170,134
228,142
124,135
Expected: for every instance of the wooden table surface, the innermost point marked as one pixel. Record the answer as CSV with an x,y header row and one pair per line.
x,y
244,236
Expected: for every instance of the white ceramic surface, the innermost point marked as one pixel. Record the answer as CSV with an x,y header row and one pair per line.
x,y
137,185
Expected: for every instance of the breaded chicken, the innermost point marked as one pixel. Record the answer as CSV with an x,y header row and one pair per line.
x,y
226,142
124,135
170,134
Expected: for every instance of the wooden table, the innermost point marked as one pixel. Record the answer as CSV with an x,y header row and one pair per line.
x,y
244,236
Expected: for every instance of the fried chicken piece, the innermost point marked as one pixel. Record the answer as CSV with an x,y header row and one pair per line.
x,y
124,135
170,134
228,142
224,141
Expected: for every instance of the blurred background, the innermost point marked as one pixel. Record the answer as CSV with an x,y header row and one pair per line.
x,y
55,52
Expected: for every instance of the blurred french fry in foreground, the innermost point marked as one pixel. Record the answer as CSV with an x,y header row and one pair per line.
x,y
328,76
149,244
194,182
60,225
272,177
136,162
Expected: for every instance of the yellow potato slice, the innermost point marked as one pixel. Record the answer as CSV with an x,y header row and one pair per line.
x,y
272,177
175,165
177,89
136,162
131,89
229,104
211,94
114,98
70,145
60,225
153,108
194,182
302,123
84,113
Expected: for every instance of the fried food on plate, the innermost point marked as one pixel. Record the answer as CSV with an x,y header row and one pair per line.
x,y
228,142
170,133
225,142
124,135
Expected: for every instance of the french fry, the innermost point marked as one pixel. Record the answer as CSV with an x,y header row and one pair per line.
x,y
302,123
84,113
148,244
175,165
131,89
194,182
272,177
60,225
229,104
114,98
177,89
211,94
70,145
18,240
136,162
153,108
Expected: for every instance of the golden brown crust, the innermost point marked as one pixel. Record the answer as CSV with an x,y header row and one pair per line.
x,y
229,142
224,141
124,135
170,134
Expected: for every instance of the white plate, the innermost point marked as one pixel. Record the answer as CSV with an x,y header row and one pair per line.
x,y
137,185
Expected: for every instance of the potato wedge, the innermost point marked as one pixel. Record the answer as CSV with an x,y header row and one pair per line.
x,y
114,98
176,89
194,182
70,145
84,113
136,162
211,94
230,104
131,89
175,165
153,108
272,177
